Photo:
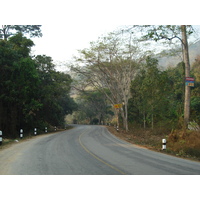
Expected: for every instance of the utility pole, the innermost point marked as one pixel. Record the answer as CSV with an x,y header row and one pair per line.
x,y
187,74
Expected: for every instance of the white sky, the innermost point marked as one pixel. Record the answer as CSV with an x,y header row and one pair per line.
x,y
68,25
63,44
63,41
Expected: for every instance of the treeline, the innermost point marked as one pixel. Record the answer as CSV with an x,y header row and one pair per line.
x,y
118,70
158,95
32,93
157,98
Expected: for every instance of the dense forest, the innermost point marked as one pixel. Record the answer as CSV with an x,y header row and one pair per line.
x,y
32,93
121,70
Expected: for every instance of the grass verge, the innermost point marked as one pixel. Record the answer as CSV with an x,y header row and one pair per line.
x,y
184,144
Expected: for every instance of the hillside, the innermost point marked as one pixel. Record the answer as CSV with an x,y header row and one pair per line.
x,y
167,61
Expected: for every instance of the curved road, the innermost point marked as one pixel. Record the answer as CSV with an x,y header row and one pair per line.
x,y
87,150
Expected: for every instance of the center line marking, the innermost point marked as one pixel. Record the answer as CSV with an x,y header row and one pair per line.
x,y
99,159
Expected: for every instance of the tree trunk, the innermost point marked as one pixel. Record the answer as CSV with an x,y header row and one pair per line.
x,y
126,117
187,74
117,116
144,119
152,122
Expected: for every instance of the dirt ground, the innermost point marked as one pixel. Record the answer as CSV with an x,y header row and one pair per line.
x,y
136,139
151,140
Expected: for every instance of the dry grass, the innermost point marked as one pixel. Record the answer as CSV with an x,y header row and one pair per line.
x,y
185,143
179,143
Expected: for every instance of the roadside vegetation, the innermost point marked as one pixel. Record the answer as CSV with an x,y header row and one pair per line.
x,y
32,93
145,101
179,143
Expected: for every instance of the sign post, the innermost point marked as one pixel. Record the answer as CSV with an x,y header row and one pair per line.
x,y
117,105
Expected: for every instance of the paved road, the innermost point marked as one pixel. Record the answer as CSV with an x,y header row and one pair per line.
x,y
88,150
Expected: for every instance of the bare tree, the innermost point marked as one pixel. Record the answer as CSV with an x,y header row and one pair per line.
x,y
110,65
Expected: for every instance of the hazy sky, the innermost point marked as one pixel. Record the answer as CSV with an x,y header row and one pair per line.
x,y
72,24
61,45
63,41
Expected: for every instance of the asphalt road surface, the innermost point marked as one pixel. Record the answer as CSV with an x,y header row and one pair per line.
x,y
88,150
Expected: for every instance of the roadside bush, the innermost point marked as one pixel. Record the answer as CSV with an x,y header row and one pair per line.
x,y
185,143
193,152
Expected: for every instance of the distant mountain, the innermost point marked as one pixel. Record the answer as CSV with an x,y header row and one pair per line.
x,y
172,61
168,61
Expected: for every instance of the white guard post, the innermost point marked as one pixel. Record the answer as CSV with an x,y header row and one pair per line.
x,y
35,131
1,138
164,144
21,133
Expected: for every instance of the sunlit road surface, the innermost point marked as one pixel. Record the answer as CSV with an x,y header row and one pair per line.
x,y
88,150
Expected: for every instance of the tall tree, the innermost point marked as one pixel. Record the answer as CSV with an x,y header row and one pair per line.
x,y
187,74
54,92
169,33
110,64
19,84
149,91
9,30
32,93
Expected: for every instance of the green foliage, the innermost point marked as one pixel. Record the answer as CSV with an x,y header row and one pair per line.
x,y
158,96
54,92
93,105
162,32
32,93
149,93
9,30
19,81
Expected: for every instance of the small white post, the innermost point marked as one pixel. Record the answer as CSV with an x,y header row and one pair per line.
x,y
55,128
21,133
1,138
35,131
117,128
164,144
45,129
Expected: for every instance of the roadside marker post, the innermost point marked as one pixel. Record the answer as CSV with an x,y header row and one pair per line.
x,y
55,128
35,131
164,144
45,129
21,133
1,138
